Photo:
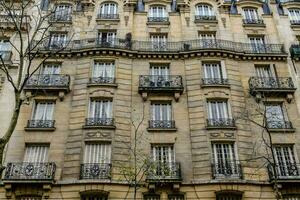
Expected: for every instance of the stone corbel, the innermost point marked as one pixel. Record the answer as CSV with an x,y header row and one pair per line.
x,y
61,95
8,191
289,98
176,96
46,189
187,19
126,18
144,96
258,97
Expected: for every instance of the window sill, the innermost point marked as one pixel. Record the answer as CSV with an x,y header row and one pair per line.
x,y
161,129
281,130
221,127
215,85
99,127
39,129
206,21
107,20
158,23
102,84
254,25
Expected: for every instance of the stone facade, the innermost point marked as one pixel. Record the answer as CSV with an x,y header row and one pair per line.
x,y
220,158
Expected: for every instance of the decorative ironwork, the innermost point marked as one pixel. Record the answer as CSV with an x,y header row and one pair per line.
x,y
253,21
279,124
220,123
155,82
158,19
205,18
6,55
48,81
107,16
95,171
271,83
295,22
284,171
227,169
215,81
99,122
40,123
164,171
102,80
30,171
295,51
60,18
162,124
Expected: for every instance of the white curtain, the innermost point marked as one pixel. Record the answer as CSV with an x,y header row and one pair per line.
x,y
224,156
43,111
36,153
109,9
50,69
294,14
218,110
212,70
104,69
63,12
158,11
204,10
100,109
161,112
285,157
263,71
250,13
163,153
58,39
97,153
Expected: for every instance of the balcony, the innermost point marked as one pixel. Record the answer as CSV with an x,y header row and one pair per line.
x,y
107,123
160,84
289,172
95,171
271,86
295,51
220,123
8,22
279,126
30,172
40,125
162,125
254,22
205,18
215,82
60,18
109,81
48,82
227,170
101,16
164,172
158,20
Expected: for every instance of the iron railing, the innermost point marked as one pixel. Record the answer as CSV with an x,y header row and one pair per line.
x,y
60,18
150,46
253,21
164,171
156,82
284,171
295,51
48,81
205,18
276,124
295,22
215,81
99,122
161,124
102,80
95,171
271,83
220,123
6,55
107,16
17,18
40,124
227,169
158,19
30,171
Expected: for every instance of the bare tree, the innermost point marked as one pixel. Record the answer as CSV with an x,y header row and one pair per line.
x,y
30,33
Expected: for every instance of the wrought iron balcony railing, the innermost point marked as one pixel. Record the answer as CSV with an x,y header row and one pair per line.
x,y
60,18
102,80
295,51
227,169
48,81
215,81
107,16
162,124
95,171
6,55
284,171
158,19
220,123
40,124
253,21
276,124
30,171
164,171
205,18
99,122
295,22
271,84
160,83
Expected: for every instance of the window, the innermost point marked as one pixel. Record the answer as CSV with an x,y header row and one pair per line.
x,y
229,196
207,36
218,109
263,71
43,111
175,197
250,16
224,159
58,40
285,161
160,70
158,41
294,15
276,117
157,13
151,197
44,4
63,12
107,38
204,10
257,43
5,49
161,111
103,72
291,197
50,68
164,159
214,73
36,153
101,109
207,39
109,11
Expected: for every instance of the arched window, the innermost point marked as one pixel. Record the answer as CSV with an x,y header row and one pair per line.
x,y
158,14
294,15
204,10
109,10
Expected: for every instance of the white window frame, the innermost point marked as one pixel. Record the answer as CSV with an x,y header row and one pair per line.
x,y
204,10
159,41
285,155
105,108
214,70
43,110
294,14
63,12
105,69
50,69
161,111
97,153
158,11
36,153
109,8
218,109
250,14
58,40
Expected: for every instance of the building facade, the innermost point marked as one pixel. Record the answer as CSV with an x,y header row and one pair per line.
x,y
187,77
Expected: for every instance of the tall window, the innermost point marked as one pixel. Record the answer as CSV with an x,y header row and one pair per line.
x,y
263,71
97,153
257,43
276,117
100,109
214,73
161,112
63,12
36,153
58,40
107,38
164,158
158,41
50,68
160,70
204,10
45,4
5,48
43,111
108,10
207,39
285,160
158,13
103,72
224,159
294,15
218,109
250,15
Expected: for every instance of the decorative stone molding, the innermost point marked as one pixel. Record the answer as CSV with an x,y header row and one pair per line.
x,y
100,134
